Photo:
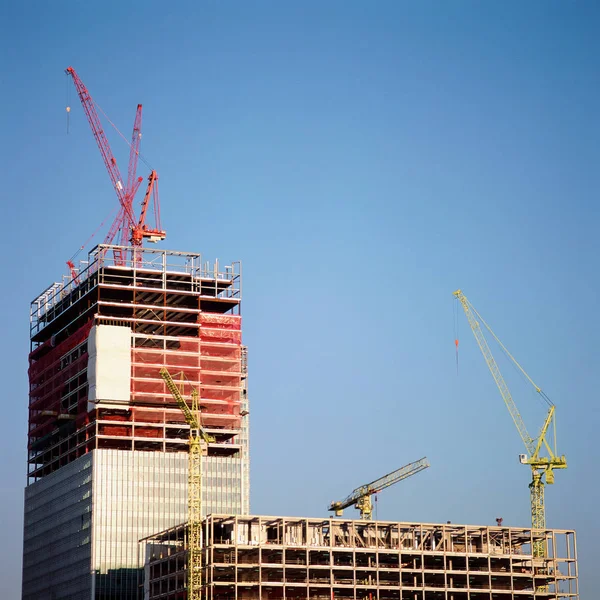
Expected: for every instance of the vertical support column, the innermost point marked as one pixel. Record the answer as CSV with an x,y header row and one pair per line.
x,y
260,543
236,538
330,552
307,565
576,566
399,548
353,533
377,558
283,553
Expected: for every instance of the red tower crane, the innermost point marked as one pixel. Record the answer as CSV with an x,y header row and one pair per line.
x,y
125,226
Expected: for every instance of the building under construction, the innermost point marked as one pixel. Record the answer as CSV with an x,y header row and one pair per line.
x,y
291,558
107,447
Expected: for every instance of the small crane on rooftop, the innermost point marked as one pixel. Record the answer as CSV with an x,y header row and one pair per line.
x,y
361,496
198,447
126,227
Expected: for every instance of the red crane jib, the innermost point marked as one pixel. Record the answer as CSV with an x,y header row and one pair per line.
x,y
109,160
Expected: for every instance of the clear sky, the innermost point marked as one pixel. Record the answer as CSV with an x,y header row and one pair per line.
x,y
363,160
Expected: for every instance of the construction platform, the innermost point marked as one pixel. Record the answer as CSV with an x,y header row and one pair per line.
x,y
292,558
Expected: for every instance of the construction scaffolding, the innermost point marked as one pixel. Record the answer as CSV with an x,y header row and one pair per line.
x,y
181,313
292,558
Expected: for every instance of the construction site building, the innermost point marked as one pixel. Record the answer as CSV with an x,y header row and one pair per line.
x,y
107,443
292,558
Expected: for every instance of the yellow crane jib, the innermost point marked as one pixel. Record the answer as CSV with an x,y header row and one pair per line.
x,y
198,443
542,467
191,414
361,496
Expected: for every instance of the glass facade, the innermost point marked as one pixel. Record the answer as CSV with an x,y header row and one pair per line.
x,y
57,536
83,522
133,494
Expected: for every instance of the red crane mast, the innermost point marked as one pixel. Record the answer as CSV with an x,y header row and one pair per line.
x,y
133,183
121,222
141,230
134,153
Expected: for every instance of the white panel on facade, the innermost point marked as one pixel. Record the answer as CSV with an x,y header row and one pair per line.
x,y
109,364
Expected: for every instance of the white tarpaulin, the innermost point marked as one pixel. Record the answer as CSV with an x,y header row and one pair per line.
x,y
109,364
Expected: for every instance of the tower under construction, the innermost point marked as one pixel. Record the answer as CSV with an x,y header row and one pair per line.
x,y
107,443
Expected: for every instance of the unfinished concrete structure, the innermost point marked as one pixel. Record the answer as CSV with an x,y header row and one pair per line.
x,y
107,448
291,558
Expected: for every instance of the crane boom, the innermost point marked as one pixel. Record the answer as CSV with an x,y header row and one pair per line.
x,y
133,182
541,466
191,414
398,475
134,153
109,160
471,314
361,495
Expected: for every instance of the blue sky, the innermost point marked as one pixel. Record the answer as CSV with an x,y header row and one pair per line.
x,y
363,160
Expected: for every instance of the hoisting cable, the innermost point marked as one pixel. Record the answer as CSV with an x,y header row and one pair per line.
x,y
376,506
514,360
126,140
68,97
93,234
455,315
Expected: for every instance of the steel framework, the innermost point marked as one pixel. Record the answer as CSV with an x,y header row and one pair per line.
x,y
295,558
183,313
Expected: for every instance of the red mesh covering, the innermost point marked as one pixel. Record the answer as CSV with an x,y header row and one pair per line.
x,y
46,356
211,363
116,430
63,425
52,372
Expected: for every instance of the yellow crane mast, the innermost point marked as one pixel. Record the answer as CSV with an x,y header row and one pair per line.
x,y
198,446
542,467
361,496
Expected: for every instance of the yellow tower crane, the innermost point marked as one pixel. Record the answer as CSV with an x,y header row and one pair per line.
x,y
198,446
361,496
542,467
